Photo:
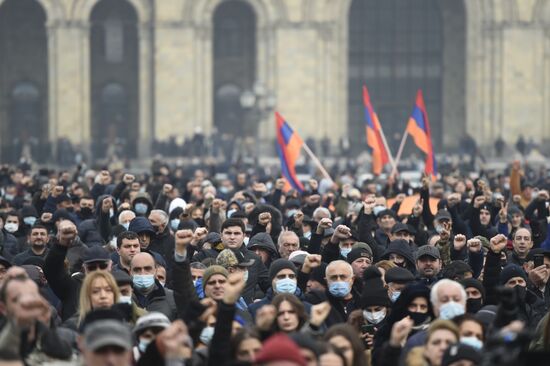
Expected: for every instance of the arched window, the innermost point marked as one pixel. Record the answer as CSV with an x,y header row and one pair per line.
x,y
115,78
23,80
395,48
234,64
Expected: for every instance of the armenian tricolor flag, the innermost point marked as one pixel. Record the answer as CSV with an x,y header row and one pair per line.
x,y
419,128
380,156
289,145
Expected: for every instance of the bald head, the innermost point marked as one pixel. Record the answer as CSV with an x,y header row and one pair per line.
x,y
142,263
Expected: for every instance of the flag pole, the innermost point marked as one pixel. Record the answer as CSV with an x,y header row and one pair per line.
x,y
399,152
392,162
316,161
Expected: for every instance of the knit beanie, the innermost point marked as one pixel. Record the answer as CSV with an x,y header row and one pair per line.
x,y
374,293
280,347
472,282
212,270
511,271
279,265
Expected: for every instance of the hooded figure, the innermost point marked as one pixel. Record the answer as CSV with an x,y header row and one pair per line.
x,y
142,204
263,245
401,247
98,231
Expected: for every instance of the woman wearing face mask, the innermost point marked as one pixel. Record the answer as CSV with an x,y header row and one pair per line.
x,y
414,302
146,330
471,330
99,290
375,305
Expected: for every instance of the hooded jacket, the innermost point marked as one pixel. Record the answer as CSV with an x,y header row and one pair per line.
x,y
264,241
402,248
97,231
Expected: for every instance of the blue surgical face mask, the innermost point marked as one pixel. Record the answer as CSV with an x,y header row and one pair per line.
x,y
230,212
395,295
374,317
245,276
450,309
344,252
377,209
339,288
29,220
141,208
439,229
291,213
143,281
206,335
142,345
472,341
285,286
174,223
307,235
126,225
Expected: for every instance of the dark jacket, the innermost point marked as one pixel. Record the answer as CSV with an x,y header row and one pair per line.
x,y
160,299
339,310
402,248
23,256
8,245
97,231
163,244
265,242
65,287
257,275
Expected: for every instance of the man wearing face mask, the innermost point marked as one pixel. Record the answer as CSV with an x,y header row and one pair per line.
x,y
148,292
9,242
339,276
531,308
283,277
85,209
163,240
142,204
146,330
448,299
476,295
98,231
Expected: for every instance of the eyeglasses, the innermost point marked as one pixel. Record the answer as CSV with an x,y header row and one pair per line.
x,y
96,265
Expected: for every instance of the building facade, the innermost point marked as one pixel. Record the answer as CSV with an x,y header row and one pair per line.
x,y
94,72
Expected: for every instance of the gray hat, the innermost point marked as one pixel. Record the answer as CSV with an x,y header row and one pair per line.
x,y
152,320
429,251
109,332
443,214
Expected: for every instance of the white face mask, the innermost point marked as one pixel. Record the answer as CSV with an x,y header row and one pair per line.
x,y
206,335
11,227
125,299
374,317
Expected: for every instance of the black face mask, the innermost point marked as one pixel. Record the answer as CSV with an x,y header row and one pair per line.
x,y
200,222
86,212
474,305
418,318
521,292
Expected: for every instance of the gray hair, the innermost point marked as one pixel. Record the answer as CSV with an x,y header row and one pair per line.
x,y
336,262
284,234
321,211
434,298
163,215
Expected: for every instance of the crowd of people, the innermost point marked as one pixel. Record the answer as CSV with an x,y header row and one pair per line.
x,y
180,267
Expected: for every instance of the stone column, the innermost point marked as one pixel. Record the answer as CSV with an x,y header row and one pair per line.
x,y
146,132
69,83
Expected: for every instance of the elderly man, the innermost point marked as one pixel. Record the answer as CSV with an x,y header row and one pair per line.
x,y
448,300
339,276
288,242
163,241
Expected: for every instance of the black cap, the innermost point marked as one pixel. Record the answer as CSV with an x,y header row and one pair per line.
x,y
460,351
387,212
122,278
357,253
398,275
428,250
533,252
278,265
95,254
443,215
399,226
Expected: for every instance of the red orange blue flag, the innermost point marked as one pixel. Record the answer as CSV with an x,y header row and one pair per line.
x,y
380,155
419,128
289,144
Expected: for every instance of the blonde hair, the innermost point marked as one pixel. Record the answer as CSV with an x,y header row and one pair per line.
x,y
85,301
